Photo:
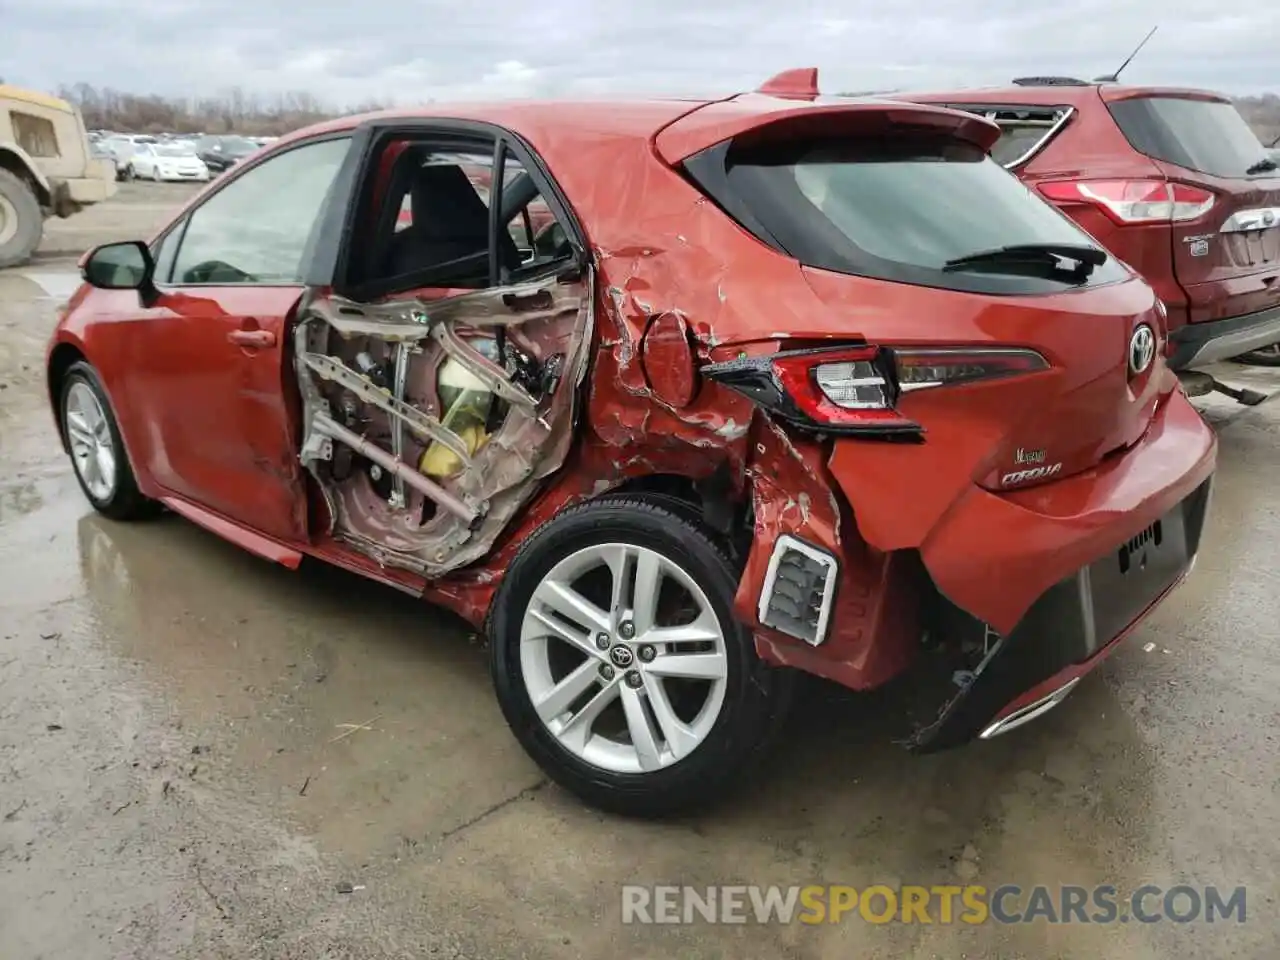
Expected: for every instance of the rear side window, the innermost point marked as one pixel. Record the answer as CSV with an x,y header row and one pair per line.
x,y
899,209
1205,135
1025,129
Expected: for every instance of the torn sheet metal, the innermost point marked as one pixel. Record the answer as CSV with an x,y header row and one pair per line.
x,y
448,517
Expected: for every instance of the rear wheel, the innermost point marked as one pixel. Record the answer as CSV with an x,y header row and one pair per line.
x,y
1264,357
97,452
618,662
21,222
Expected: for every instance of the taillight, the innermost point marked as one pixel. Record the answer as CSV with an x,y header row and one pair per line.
x,y
918,369
1134,201
855,389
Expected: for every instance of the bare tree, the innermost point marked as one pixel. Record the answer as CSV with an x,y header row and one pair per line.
x,y
234,111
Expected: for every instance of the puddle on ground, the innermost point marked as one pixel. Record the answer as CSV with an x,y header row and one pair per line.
x,y
38,284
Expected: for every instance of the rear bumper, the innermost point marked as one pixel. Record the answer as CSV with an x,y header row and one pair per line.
x,y
72,193
1198,344
1034,587
1069,630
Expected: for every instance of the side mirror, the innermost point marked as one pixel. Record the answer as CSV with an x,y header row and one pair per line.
x,y
120,266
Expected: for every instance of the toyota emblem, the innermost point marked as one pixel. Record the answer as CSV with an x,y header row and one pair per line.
x,y
622,657
1142,350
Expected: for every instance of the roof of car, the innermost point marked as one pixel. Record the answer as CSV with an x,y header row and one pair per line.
x,y
638,117
543,121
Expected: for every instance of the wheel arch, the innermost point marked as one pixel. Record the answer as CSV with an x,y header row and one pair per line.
x,y
713,501
15,160
62,357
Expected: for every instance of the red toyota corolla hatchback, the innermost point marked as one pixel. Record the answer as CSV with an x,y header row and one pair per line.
x,y
705,393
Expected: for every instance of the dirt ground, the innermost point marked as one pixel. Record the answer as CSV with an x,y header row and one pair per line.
x,y
205,756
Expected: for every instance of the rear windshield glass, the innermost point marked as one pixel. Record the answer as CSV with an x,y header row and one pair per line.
x,y
901,209
1204,135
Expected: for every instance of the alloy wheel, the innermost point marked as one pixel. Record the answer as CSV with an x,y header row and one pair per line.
x,y
623,658
93,451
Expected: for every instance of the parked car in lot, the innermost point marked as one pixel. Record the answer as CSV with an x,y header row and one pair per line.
x,y
167,161
120,148
222,153
793,385
1172,181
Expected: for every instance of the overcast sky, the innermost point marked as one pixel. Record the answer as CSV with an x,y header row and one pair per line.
x,y
408,51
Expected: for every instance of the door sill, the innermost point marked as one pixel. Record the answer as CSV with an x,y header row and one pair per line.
x,y
241,536
340,555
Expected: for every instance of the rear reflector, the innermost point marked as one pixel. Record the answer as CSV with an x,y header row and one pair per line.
x,y
799,587
1134,201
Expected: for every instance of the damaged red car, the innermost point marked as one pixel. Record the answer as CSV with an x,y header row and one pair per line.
x,y
691,397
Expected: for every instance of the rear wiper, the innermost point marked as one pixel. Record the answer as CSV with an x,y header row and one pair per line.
x,y
1265,165
1050,254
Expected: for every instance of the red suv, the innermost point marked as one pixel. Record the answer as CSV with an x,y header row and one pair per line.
x,y
1172,181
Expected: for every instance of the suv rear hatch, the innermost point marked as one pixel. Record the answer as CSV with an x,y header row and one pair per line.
x,y
895,216
1226,259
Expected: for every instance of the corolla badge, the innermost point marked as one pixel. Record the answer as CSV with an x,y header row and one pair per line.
x,y
1026,476
1142,350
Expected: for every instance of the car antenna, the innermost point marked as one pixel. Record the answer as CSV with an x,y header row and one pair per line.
x,y
1275,142
1113,77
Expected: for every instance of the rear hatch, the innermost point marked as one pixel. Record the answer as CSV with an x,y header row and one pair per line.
x,y
898,230
1227,259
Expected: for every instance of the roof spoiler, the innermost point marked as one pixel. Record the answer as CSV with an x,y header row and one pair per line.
x,y
800,83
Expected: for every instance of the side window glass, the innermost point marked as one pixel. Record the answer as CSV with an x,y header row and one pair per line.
x,y
539,237
256,228
162,253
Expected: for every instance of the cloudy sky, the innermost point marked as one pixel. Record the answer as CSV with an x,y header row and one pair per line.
x,y
408,51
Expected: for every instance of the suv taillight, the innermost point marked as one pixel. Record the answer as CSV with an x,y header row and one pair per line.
x,y
1134,201
855,389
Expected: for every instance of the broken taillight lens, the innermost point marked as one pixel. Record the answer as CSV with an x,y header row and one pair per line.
x,y
1134,201
855,389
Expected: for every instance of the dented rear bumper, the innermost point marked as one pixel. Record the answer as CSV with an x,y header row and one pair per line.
x,y
1046,578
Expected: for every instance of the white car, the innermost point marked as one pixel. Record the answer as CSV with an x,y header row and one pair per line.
x,y
167,161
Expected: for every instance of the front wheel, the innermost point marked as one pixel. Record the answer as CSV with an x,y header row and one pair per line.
x,y
619,665
1262,357
97,452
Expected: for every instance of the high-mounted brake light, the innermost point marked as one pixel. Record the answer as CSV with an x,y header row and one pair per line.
x,y
1134,201
855,389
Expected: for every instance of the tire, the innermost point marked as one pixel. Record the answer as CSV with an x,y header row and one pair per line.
x,y
21,222
118,496
130,173
718,741
1265,357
